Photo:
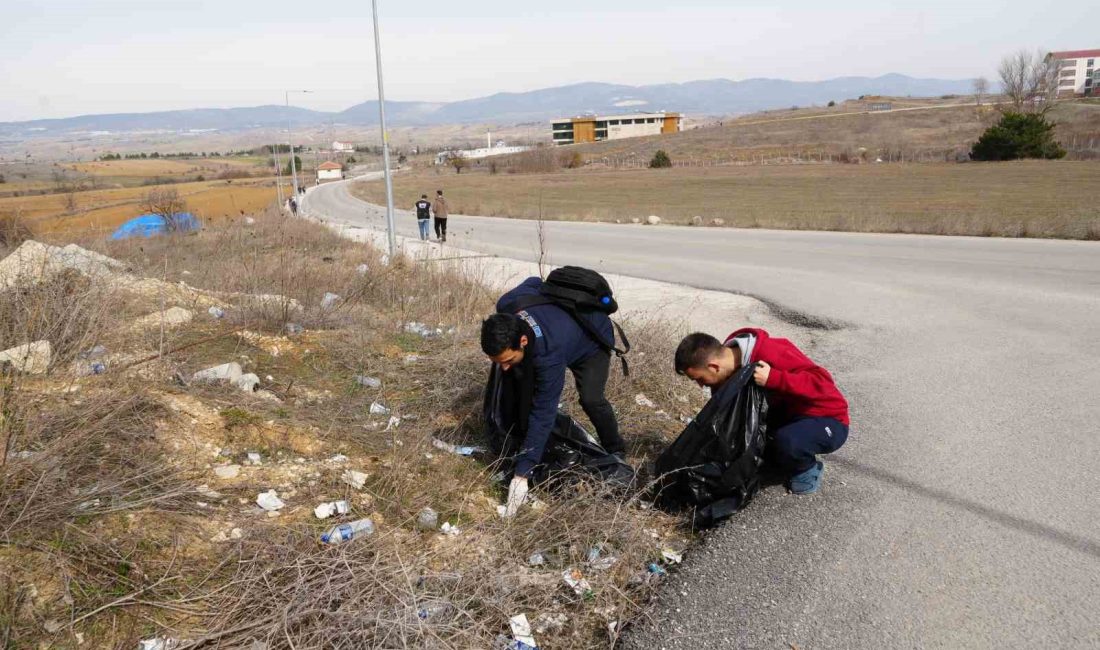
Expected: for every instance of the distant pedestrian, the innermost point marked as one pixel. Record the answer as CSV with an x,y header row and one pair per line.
x,y
440,210
293,207
423,214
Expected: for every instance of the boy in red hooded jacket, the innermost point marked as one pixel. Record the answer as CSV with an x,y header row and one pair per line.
x,y
807,415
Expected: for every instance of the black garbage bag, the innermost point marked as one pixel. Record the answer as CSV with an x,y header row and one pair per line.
x,y
714,465
508,397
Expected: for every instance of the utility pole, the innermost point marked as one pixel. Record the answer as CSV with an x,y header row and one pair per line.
x,y
278,175
390,229
289,140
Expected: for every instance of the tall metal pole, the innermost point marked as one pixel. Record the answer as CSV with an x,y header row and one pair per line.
x,y
289,141
278,176
390,229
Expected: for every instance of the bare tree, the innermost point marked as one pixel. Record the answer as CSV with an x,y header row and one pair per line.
x,y
1030,80
981,89
165,203
458,161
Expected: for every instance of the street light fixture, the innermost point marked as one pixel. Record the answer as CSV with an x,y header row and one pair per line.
x,y
290,142
390,229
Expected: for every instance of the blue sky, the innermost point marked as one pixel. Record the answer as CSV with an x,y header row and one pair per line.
x,y
64,58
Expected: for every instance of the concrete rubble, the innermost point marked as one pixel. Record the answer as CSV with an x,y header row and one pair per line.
x,y
32,358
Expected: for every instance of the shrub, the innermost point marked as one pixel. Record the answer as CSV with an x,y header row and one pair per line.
x,y
14,230
1018,135
660,160
831,103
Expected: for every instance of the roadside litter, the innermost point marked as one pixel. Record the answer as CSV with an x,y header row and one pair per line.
x,y
270,501
656,569
642,400
672,557
522,639
158,643
294,328
393,423
577,582
216,312
368,382
346,532
461,450
326,510
377,408
362,269
329,301
254,458
422,330
448,529
599,557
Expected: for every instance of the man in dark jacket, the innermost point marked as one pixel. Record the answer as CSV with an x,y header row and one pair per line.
x,y
423,213
807,415
548,340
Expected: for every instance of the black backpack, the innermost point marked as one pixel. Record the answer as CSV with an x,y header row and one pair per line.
x,y
714,465
578,290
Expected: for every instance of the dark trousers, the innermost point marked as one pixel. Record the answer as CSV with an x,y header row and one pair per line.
x,y
591,377
440,228
795,444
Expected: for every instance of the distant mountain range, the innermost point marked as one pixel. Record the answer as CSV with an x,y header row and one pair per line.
x,y
709,97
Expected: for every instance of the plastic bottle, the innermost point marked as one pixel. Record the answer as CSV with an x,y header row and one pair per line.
x,y
344,532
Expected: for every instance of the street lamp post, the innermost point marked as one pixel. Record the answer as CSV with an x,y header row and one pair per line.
x,y
290,141
390,229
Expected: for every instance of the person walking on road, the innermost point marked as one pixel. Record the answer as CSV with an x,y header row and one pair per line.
x,y
439,208
293,207
807,414
423,214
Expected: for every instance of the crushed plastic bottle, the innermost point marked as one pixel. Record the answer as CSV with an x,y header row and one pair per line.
x,y
346,532
368,382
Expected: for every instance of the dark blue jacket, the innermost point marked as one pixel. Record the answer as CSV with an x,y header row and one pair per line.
x,y
559,343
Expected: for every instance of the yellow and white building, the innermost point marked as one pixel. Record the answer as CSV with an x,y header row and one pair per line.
x,y
593,128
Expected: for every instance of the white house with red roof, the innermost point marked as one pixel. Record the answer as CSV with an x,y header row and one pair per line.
x,y
330,171
1077,74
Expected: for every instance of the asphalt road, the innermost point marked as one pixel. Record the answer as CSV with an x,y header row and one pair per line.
x,y
965,510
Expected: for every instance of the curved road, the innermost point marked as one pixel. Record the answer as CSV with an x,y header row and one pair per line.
x,y
965,510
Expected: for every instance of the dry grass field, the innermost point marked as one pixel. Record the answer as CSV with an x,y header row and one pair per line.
x,y
98,210
844,128
1019,199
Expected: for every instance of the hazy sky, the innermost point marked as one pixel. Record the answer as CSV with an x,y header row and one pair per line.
x,y
62,58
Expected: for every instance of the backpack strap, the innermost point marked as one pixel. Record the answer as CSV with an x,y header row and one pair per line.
x,y
523,302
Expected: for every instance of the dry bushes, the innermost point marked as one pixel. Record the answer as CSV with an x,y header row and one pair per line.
x,y
71,311
14,230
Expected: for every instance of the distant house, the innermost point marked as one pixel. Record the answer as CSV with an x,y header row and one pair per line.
x,y
342,146
330,171
1078,74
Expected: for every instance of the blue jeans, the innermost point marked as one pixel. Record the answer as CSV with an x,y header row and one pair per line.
x,y
794,445
423,224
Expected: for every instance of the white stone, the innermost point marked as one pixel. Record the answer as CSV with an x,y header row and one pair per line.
x,y
717,222
652,220
32,358
354,478
248,383
227,472
697,220
230,372
172,316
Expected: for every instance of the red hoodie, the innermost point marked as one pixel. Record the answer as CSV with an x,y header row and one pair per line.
x,y
796,385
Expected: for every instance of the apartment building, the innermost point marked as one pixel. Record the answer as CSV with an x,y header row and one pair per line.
x,y
1076,72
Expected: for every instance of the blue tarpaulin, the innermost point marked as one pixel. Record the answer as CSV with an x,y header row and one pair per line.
x,y
149,225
